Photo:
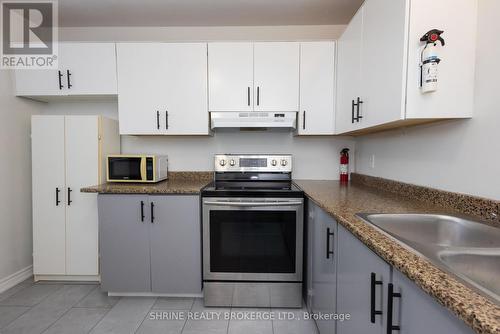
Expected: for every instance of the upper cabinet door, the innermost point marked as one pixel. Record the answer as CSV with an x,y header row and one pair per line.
x,y
85,69
162,88
317,85
185,88
88,68
383,62
142,101
276,76
454,97
230,75
349,74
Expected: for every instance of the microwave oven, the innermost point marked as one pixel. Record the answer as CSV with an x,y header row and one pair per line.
x,y
136,168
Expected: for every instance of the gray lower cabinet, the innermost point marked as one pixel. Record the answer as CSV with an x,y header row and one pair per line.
x,y
322,231
124,244
150,243
361,285
176,245
380,299
415,312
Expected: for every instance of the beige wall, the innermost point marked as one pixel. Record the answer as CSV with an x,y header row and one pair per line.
x,y
461,156
318,32
15,171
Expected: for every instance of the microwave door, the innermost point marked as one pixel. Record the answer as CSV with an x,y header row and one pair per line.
x,y
127,169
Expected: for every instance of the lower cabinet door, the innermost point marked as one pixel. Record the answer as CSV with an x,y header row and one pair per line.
x,y
324,269
362,277
124,233
415,312
175,244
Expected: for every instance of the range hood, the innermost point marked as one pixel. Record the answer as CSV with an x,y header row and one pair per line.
x,y
253,119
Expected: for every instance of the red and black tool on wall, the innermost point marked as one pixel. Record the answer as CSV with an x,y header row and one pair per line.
x,y
344,165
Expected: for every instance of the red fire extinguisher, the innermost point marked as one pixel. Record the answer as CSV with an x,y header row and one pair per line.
x,y
344,165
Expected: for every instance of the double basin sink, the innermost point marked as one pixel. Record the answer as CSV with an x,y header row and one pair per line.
x,y
467,249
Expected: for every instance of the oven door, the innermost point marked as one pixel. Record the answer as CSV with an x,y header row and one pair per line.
x,y
252,239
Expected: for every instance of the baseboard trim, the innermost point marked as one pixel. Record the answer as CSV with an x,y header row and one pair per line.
x,y
16,278
69,278
153,294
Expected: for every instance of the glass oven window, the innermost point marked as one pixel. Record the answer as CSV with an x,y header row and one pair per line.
x,y
125,168
252,241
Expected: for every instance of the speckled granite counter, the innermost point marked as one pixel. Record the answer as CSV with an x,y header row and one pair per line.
x,y
344,201
177,183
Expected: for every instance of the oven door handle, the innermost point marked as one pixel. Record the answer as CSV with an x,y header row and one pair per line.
x,y
250,204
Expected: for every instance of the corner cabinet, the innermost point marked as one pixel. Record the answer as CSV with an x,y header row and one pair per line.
x,y
162,88
84,70
68,152
260,76
378,83
150,244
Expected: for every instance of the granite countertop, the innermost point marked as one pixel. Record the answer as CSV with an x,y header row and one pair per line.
x,y
177,183
343,201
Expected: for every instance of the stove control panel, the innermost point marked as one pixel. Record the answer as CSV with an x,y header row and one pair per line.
x,y
253,163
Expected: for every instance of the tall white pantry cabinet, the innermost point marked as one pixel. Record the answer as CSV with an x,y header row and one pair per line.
x,y
68,153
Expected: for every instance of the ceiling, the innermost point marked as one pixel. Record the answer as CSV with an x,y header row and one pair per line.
x,y
88,13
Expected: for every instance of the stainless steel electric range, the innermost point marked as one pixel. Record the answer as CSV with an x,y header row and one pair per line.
x,y
253,233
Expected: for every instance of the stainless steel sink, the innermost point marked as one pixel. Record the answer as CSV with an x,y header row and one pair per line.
x,y
470,250
480,266
439,230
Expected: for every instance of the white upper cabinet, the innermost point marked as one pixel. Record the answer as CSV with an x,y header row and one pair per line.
x,y
230,74
379,57
162,88
383,62
276,76
317,86
348,74
455,95
253,76
84,69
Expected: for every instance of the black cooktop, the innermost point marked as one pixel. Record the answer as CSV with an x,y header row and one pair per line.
x,y
252,184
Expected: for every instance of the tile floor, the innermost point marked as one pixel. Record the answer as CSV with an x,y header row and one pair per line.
x,y
64,308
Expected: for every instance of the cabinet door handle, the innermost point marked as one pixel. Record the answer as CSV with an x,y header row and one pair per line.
x,y
68,77
152,213
358,105
352,112
328,235
258,95
248,96
373,284
166,119
157,119
60,80
57,196
390,304
142,211
69,196
304,120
